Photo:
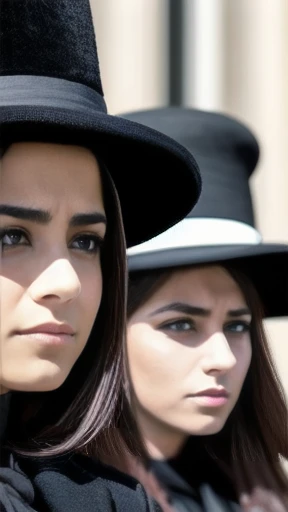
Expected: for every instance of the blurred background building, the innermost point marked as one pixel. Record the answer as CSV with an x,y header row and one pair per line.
x,y
223,55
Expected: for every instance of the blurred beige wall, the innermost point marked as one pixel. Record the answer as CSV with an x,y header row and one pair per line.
x,y
236,62
132,36
257,91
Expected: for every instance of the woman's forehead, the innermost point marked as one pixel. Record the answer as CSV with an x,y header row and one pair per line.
x,y
201,285
51,173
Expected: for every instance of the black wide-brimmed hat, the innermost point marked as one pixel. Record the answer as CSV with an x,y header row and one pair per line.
x,y
221,228
50,90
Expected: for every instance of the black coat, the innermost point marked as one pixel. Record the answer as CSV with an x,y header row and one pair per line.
x,y
16,490
185,498
76,483
195,483
64,484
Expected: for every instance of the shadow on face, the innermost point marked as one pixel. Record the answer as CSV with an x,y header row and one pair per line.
x,y
189,351
52,225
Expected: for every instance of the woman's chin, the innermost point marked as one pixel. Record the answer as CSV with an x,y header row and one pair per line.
x,y
206,426
47,378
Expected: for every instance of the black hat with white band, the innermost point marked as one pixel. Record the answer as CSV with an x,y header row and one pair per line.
x,y
221,228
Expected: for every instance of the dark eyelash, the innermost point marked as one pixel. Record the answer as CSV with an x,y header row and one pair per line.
x,y
9,231
99,241
176,321
5,231
246,325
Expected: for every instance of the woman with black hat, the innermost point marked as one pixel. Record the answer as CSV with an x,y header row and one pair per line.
x,y
64,164
205,390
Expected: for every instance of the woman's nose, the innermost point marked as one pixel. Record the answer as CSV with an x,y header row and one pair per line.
x,y
219,357
59,282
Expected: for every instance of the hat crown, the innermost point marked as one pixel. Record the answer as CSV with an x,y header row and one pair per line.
x,y
225,150
52,38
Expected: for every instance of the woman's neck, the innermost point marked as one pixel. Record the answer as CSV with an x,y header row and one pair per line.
x,y
162,441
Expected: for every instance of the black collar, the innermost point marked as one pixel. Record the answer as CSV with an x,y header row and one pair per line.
x,y
4,409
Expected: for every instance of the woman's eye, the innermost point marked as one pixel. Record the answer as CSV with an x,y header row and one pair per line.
x,y
178,326
87,243
13,237
238,327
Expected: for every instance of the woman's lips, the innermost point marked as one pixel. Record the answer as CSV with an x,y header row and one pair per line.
x,y
46,338
49,334
210,400
211,397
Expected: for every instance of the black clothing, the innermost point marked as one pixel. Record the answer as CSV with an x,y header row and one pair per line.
x,y
185,498
76,483
69,483
16,491
195,483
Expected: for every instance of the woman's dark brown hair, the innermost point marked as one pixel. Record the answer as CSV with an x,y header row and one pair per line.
x,y
89,412
255,435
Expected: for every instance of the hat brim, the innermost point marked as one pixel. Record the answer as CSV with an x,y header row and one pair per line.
x,y
157,180
265,264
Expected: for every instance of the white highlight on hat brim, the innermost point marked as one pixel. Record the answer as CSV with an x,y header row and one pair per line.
x,y
195,232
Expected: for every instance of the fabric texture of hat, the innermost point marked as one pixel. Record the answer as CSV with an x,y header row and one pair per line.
x,y
221,228
50,90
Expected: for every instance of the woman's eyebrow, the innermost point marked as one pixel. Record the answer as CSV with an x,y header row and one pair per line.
x,y
44,217
182,307
31,214
84,219
188,309
239,312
